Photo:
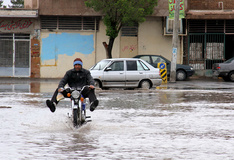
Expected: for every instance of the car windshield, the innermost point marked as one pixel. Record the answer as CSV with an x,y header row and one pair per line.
x,y
229,61
101,65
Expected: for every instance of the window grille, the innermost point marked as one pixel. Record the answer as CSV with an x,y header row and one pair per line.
x,y
22,36
48,22
211,26
205,49
215,26
229,26
197,26
131,31
6,36
88,23
69,23
14,47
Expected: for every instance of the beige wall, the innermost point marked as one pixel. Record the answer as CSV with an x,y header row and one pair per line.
x,y
101,37
151,39
31,4
129,47
56,68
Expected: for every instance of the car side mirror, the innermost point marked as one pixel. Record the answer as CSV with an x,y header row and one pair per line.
x,y
108,69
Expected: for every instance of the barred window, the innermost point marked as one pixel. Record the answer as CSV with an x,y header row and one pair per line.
x,y
131,31
9,36
49,22
69,23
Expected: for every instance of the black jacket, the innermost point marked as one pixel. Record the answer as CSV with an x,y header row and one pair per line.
x,y
76,79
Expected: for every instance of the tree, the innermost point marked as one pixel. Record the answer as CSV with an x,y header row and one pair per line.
x,y
17,4
1,1
120,12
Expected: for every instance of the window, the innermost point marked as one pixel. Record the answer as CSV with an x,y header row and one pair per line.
x,y
139,66
49,22
117,66
131,66
157,60
136,66
22,36
146,58
69,23
131,31
144,66
6,36
101,65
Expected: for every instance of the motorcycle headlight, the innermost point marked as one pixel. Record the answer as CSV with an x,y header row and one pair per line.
x,y
75,94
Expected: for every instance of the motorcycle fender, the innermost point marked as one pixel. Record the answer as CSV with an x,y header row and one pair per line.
x,y
80,103
75,106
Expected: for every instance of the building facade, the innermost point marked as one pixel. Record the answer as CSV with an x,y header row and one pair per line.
x,y
210,34
19,43
60,31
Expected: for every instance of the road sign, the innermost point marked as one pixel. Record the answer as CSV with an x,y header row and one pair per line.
x,y
162,66
163,71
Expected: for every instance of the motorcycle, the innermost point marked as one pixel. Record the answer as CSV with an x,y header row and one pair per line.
x,y
78,105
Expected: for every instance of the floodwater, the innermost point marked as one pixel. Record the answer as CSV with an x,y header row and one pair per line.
x,y
179,121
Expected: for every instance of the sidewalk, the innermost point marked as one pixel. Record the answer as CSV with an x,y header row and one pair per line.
x,y
12,80
39,85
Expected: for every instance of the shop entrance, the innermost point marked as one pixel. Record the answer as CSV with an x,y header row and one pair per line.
x,y
205,49
229,49
14,55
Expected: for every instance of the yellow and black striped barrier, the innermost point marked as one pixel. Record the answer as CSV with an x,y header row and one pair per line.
x,y
163,71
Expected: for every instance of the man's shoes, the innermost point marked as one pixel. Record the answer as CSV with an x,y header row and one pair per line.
x,y
93,105
51,105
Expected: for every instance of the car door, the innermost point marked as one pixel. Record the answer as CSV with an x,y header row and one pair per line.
x,y
114,75
134,73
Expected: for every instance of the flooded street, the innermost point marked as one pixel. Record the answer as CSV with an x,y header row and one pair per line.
x,y
186,120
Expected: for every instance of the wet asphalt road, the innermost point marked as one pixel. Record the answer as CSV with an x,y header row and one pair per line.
x,y
183,120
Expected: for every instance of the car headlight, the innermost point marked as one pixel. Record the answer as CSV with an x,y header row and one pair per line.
x,y
75,94
191,68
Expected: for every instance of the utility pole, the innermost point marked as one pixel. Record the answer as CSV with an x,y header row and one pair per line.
x,y
175,42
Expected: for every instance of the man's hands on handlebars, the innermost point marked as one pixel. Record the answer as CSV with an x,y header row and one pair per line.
x,y
60,90
91,87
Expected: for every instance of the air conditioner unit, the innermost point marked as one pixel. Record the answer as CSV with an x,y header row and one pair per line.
x,y
169,26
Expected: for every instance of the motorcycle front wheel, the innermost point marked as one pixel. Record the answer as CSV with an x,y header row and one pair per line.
x,y
75,117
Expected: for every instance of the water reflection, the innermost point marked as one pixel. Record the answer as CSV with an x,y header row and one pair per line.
x,y
128,124
15,88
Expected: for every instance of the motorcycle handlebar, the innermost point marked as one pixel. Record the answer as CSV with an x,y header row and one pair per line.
x,y
69,89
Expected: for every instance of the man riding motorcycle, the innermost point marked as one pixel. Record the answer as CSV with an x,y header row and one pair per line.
x,y
77,77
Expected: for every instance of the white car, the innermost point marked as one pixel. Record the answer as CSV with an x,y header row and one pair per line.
x,y
125,73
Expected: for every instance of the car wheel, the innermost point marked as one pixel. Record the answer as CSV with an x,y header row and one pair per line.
x,y
226,79
180,75
145,84
97,84
231,76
